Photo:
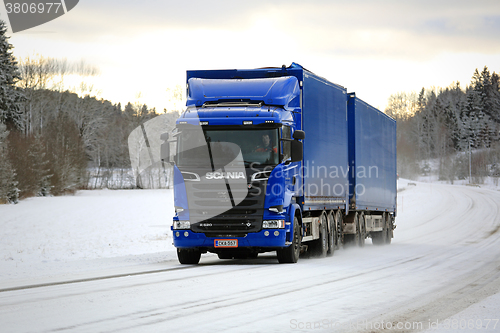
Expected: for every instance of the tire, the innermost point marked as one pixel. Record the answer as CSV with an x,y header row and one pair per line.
x,y
361,230
322,242
188,257
332,234
290,254
389,225
340,237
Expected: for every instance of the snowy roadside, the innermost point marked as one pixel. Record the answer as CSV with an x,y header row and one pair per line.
x,y
61,237
490,183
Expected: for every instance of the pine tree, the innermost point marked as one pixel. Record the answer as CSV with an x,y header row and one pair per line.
x,y
8,185
39,168
475,116
10,95
494,92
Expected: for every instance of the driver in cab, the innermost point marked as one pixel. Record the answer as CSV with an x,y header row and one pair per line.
x,y
266,145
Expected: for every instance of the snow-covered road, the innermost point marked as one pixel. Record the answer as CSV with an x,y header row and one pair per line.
x,y
441,274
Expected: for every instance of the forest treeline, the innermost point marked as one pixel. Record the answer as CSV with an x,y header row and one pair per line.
x,y
54,141
457,128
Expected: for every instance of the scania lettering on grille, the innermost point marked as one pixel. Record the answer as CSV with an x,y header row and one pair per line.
x,y
225,175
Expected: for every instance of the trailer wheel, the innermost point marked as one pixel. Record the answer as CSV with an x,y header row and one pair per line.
x,y
188,257
332,234
389,225
361,230
290,254
340,237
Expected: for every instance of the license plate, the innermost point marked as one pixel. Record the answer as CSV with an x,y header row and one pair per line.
x,y
226,243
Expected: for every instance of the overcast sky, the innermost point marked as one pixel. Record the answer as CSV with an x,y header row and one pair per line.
x,y
375,48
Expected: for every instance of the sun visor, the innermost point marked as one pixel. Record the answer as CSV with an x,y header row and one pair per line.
x,y
283,91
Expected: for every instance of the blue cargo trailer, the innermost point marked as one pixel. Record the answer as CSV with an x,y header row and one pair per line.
x,y
372,161
324,120
265,160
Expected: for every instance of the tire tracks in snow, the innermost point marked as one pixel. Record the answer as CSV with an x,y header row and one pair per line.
x,y
474,285
161,315
90,279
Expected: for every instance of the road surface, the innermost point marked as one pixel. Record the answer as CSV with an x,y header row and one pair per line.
x,y
444,260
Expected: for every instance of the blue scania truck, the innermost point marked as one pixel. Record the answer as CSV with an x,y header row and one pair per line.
x,y
279,159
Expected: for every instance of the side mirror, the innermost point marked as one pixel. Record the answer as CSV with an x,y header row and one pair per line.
x,y
299,135
297,151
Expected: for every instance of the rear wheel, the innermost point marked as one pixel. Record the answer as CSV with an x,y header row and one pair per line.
x,y
332,234
322,242
290,254
188,257
389,225
361,230
340,238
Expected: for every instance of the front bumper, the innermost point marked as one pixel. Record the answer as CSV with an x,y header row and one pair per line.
x,y
276,238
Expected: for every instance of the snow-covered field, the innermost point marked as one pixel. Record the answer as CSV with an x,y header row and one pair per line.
x,y
58,237
441,274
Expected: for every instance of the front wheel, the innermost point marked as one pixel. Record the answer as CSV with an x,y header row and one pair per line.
x,y
290,254
188,257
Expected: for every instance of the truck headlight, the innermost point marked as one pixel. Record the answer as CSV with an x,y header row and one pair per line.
x,y
182,225
273,224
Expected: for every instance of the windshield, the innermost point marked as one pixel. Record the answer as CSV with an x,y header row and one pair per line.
x,y
257,146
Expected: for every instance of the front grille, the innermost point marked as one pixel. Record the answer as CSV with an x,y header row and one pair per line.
x,y
211,211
